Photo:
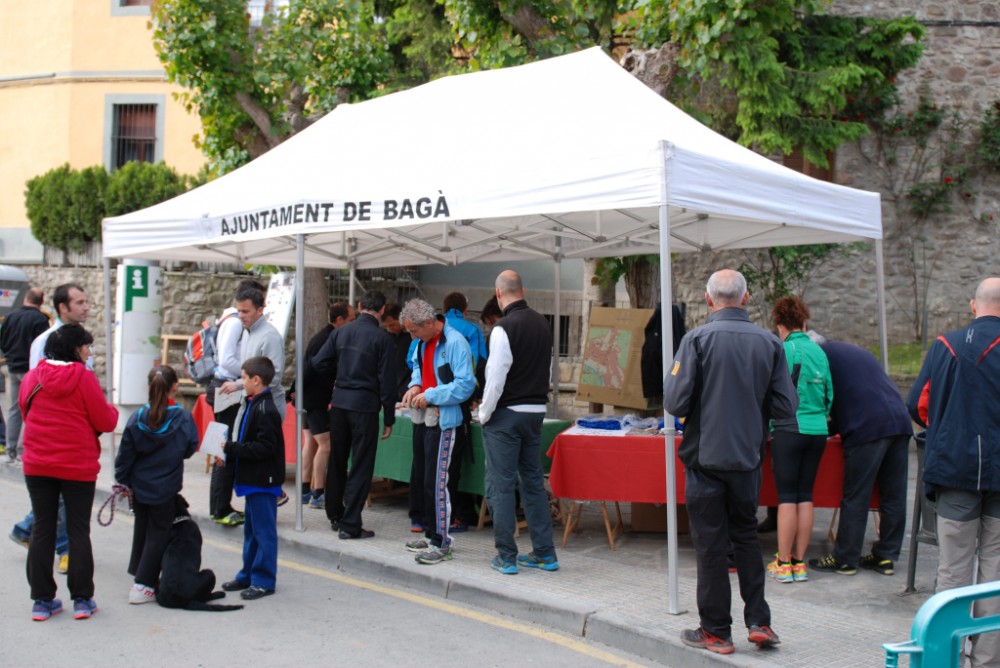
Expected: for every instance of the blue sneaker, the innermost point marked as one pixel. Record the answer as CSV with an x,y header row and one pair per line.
x,y
532,560
318,502
504,567
306,497
83,608
42,610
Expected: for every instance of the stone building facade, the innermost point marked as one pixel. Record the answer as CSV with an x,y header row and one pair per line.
x,y
959,70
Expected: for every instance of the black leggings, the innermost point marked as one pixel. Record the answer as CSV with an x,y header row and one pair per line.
x,y
795,460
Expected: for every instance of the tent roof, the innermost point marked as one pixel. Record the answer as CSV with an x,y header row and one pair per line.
x,y
569,157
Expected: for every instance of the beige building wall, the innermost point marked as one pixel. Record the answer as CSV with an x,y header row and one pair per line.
x,y
62,65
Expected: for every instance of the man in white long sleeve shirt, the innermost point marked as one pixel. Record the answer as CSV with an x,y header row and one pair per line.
x,y
511,412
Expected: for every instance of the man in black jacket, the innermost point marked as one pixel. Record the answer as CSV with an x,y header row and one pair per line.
x,y
18,331
360,357
729,377
316,391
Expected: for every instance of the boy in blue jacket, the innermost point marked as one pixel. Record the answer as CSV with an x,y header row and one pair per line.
x,y
257,455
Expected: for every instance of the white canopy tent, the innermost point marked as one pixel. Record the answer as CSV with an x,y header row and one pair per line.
x,y
568,157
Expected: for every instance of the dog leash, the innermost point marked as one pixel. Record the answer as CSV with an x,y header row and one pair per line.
x,y
117,491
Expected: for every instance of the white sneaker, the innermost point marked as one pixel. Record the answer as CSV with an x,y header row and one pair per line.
x,y
140,594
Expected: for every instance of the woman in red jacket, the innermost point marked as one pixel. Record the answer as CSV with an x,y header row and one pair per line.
x,y
64,413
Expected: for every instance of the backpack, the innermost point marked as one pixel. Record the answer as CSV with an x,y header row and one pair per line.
x,y
201,354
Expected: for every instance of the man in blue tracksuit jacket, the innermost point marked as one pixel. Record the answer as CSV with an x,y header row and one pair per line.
x,y
957,397
442,380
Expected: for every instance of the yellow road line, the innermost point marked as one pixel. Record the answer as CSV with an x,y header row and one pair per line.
x,y
452,609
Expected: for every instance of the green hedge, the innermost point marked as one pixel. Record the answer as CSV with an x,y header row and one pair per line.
x,y
66,206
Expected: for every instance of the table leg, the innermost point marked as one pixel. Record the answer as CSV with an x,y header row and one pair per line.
x,y
570,524
618,529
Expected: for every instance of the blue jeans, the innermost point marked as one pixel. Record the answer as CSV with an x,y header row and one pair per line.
x,y
884,462
22,529
260,540
512,443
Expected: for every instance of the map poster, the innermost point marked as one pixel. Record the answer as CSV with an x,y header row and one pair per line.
x,y
611,372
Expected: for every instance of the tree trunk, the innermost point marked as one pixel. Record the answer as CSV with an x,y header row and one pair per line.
x,y
317,299
642,281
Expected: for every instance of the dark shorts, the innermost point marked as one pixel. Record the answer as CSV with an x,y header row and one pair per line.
x,y
318,420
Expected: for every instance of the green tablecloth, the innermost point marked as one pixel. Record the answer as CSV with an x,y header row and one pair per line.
x,y
395,454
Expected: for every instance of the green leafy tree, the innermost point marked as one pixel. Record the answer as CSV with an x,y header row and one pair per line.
x,y
505,33
420,42
255,85
791,73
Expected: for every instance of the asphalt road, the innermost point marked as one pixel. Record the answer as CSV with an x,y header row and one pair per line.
x,y
317,617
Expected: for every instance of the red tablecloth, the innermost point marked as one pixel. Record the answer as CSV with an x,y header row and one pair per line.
x,y
203,414
633,468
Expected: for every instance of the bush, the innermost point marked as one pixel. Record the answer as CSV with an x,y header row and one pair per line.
x,y
66,206
136,185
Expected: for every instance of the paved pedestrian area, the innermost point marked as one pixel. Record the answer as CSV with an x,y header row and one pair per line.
x,y
617,597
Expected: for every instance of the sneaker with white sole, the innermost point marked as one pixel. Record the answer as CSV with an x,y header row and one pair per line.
x,y
318,502
435,555
418,545
140,594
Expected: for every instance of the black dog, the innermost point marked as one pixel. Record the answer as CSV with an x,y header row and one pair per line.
x,y
183,583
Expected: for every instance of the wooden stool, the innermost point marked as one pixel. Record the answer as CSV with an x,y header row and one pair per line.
x,y
577,507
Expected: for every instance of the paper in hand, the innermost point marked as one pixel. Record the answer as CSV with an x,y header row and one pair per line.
x,y
214,441
224,401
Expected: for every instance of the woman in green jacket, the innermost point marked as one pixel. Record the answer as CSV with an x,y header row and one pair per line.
x,y
797,444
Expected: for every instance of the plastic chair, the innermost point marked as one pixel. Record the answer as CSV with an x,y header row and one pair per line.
x,y
941,624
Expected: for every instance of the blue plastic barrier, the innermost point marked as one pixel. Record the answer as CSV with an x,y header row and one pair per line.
x,y
941,624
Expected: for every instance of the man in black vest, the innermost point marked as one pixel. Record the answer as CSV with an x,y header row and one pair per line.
x,y
20,328
511,412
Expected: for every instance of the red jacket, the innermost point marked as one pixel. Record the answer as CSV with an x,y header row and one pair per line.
x,y
65,419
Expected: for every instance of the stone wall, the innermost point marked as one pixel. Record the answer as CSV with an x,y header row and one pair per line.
x,y
960,69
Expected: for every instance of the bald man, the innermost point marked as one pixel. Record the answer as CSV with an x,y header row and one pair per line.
x,y
729,377
957,398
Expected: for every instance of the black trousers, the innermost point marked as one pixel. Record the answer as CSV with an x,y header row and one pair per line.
x,y
462,503
79,500
353,435
150,535
417,475
722,508
220,489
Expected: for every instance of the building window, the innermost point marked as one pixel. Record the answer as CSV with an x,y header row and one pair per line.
x,y
563,346
133,134
133,129
130,7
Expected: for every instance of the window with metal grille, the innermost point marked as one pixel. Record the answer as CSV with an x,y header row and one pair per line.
x,y
133,134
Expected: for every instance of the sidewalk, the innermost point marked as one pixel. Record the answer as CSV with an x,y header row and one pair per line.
x,y
615,597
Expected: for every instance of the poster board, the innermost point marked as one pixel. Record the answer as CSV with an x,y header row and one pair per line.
x,y
280,300
611,372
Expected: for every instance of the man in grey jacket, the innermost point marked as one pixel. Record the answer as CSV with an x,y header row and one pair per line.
x,y
729,379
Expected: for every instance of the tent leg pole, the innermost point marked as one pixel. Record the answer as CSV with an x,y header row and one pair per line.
x,y
556,333
300,288
108,337
667,352
880,286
